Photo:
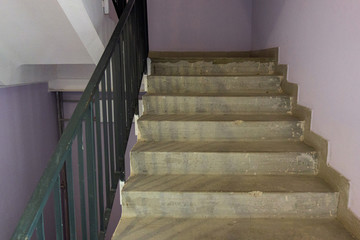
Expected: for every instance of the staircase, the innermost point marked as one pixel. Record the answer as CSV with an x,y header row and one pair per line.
x,y
221,156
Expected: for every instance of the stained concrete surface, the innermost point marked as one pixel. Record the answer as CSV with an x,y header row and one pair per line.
x,y
230,229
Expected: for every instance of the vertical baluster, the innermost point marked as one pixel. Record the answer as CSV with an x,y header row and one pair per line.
x,y
58,210
71,203
128,70
82,181
111,127
40,228
106,139
145,22
99,160
91,173
131,84
119,112
138,50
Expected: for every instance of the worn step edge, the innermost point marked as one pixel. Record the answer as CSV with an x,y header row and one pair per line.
x,y
222,66
226,147
171,104
216,84
220,130
252,163
248,205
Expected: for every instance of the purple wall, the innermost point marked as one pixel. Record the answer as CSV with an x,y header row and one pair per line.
x,y
201,25
320,40
28,136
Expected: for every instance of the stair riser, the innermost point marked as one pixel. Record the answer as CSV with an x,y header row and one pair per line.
x,y
192,84
220,105
223,163
220,131
230,205
210,68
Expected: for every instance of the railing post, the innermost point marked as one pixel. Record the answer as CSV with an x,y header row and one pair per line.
x,y
91,174
70,200
119,111
99,160
80,146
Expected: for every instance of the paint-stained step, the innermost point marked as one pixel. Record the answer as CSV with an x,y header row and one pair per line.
x,y
213,66
213,84
229,229
197,127
240,157
204,196
212,103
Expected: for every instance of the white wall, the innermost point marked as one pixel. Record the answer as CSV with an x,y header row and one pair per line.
x,y
39,34
104,24
320,40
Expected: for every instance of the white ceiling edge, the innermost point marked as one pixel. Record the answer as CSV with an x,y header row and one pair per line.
x,y
26,74
39,35
67,85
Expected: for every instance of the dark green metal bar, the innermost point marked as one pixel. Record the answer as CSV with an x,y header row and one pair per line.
x,y
133,59
111,129
130,81
99,161
82,181
40,228
71,203
91,174
124,96
145,37
119,113
58,211
106,137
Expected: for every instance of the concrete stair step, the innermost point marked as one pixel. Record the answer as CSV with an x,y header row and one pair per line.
x,y
213,66
204,127
213,84
217,103
231,196
241,157
230,229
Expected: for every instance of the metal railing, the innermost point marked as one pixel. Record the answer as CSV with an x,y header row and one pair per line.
x,y
93,144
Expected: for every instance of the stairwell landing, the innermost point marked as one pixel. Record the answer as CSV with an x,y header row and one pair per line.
x,y
220,155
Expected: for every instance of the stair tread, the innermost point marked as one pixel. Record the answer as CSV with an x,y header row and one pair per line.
x,y
229,183
230,229
215,76
210,59
218,117
220,94
235,146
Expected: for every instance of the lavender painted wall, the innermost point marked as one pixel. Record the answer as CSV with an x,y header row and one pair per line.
x,y
320,42
28,136
201,25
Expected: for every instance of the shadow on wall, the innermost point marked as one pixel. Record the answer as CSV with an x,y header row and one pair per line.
x,y
272,18
202,25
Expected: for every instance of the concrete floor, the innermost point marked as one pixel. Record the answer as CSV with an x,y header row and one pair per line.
x,y
230,229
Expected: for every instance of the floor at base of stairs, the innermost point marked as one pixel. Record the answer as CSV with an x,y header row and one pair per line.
x,y
230,229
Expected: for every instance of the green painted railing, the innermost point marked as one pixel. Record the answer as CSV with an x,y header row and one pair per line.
x,y
92,147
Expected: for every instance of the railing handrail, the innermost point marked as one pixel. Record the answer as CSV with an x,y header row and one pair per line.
x,y
46,183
